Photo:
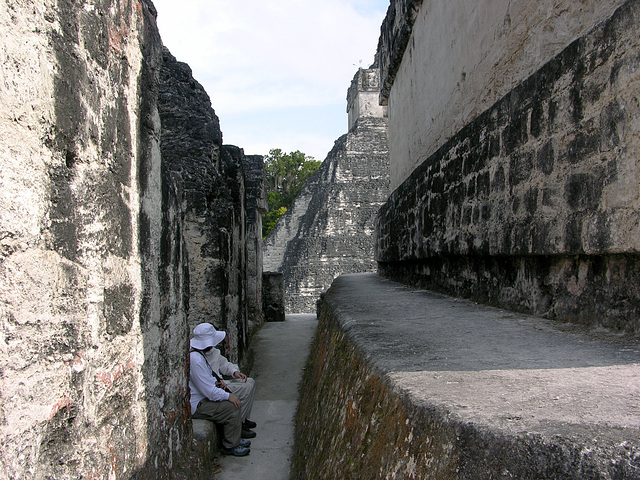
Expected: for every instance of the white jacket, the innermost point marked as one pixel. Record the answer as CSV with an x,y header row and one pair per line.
x,y
202,384
220,364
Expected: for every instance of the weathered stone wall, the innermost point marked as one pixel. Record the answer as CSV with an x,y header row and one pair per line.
x,y
273,297
535,205
112,164
444,63
256,206
92,285
329,228
403,384
220,223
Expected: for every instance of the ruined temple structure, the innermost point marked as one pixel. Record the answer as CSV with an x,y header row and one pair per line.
x,y
224,197
514,150
124,221
329,228
499,337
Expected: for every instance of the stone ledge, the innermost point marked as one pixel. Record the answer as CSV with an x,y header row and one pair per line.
x,y
409,384
205,438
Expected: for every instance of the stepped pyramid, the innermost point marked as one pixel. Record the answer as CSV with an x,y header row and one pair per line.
x,y
329,228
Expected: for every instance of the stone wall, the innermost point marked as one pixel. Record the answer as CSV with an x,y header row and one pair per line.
x,y
222,209
273,297
407,384
444,63
256,206
329,228
535,204
101,197
92,285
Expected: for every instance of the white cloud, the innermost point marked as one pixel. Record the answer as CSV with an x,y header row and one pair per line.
x,y
259,55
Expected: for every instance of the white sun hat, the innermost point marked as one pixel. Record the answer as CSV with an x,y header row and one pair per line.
x,y
205,335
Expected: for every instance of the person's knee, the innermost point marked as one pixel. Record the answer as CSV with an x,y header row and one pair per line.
x,y
231,410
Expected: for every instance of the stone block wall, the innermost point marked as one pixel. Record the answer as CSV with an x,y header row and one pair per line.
x,y
256,206
444,63
104,187
329,228
92,280
535,204
403,384
222,209
273,296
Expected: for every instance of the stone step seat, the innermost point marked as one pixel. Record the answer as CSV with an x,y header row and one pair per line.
x,y
206,438
493,382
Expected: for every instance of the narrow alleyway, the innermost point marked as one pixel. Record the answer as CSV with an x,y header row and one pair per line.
x,y
281,351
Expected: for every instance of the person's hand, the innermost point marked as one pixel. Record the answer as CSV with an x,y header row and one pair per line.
x,y
235,400
240,375
221,384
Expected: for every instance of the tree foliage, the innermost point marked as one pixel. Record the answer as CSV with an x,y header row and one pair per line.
x,y
287,173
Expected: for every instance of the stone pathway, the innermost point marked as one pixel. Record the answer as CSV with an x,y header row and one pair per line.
x,y
281,351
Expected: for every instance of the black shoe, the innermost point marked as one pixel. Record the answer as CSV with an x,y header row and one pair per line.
x,y
236,452
248,433
248,424
245,443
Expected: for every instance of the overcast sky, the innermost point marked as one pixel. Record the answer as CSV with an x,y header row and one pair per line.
x,y
277,71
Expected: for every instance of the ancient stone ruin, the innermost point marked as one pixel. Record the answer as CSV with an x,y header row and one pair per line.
x,y
329,228
532,204
124,221
491,157
513,143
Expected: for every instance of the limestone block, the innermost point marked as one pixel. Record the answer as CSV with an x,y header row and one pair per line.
x,y
403,383
205,438
273,296
444,63
543,183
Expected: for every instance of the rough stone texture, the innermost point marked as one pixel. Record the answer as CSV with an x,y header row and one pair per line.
x,y
105,185
395,35
92,284
273,296
222,215
444,63
363,97
329,228
410,384
206,439
256,205
535,205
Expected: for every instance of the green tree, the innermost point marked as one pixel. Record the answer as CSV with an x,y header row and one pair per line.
x,y
287,173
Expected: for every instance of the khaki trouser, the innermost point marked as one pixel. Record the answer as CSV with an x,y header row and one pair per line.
x,y
226,414
245,391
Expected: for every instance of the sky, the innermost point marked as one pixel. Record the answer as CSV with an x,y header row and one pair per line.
x,y
277,71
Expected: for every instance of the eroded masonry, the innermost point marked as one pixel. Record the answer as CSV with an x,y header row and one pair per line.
x,y
329,228
514,160
124,221
492,157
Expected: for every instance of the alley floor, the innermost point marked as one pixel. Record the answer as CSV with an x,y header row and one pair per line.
x,y
281,351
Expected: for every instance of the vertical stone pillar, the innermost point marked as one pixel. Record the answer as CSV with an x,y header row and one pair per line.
x,y
256,206
273,296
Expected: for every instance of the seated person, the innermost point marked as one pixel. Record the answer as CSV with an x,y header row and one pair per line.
x,y
226,403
